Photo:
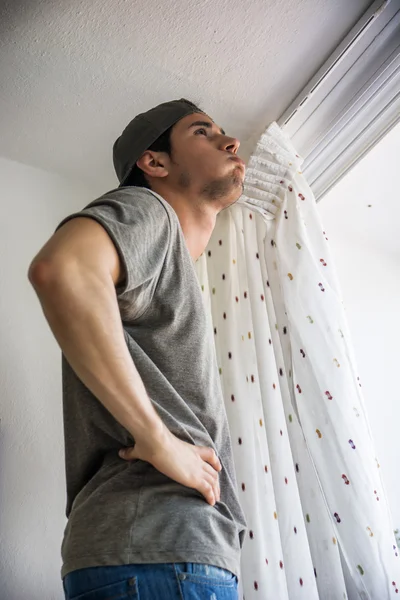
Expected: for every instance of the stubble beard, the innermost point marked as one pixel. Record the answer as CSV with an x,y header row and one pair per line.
x,y
217,189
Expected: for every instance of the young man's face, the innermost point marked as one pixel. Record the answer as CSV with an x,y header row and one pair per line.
x,y
203,160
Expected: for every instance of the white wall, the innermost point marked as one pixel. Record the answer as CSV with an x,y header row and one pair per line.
x,y
32,480
366,247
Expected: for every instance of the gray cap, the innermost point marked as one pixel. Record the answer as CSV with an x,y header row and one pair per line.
x,y
143,131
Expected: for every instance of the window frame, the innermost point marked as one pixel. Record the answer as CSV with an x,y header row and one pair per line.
x,y
351,102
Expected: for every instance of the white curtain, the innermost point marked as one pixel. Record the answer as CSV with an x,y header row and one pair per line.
x,y
308,477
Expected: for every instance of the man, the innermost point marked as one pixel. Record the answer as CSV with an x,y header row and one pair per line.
x,y
118,287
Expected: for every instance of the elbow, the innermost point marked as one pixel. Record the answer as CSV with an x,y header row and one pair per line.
x,y
39,273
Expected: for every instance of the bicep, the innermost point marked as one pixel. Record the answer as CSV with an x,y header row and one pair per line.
x,y
82,240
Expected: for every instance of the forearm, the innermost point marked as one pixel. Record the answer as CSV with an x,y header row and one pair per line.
x,y
82,311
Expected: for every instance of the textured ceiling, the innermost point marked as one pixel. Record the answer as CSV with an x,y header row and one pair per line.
x,y
74,73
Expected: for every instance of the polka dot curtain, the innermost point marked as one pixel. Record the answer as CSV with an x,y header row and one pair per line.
x,y
308,478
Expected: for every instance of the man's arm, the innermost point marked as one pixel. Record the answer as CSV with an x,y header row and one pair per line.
x,y
74,276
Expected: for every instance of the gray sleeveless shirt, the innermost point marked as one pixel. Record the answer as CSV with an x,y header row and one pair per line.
x,y
119,512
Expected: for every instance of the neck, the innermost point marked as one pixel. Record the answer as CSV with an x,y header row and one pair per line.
x,y
197,221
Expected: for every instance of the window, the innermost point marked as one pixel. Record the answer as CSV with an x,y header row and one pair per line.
x,y
351,102
361,216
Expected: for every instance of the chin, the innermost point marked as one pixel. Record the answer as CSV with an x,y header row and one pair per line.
x,y
233,197
225,190
239,184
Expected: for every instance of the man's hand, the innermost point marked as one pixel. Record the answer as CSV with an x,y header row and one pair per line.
x,y
193,466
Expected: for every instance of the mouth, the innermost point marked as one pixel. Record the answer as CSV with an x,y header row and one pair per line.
x,y
238,160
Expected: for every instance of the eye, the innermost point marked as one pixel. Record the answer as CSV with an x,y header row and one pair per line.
x,y
202,129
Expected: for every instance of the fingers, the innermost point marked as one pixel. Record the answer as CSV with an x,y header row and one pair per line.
x,y
211,468
211,477
208,492
127,453
207,469
209,455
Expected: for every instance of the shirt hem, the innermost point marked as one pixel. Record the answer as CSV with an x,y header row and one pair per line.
x,y
230,562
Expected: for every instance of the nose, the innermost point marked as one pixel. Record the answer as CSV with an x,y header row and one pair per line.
x,y
231,145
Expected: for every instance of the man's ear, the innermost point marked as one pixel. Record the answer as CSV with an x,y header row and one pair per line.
x,y
152,164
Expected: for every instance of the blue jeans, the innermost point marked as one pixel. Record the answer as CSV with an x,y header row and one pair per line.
x,y
162,581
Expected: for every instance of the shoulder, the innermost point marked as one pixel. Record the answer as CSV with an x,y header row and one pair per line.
x,y
134,198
